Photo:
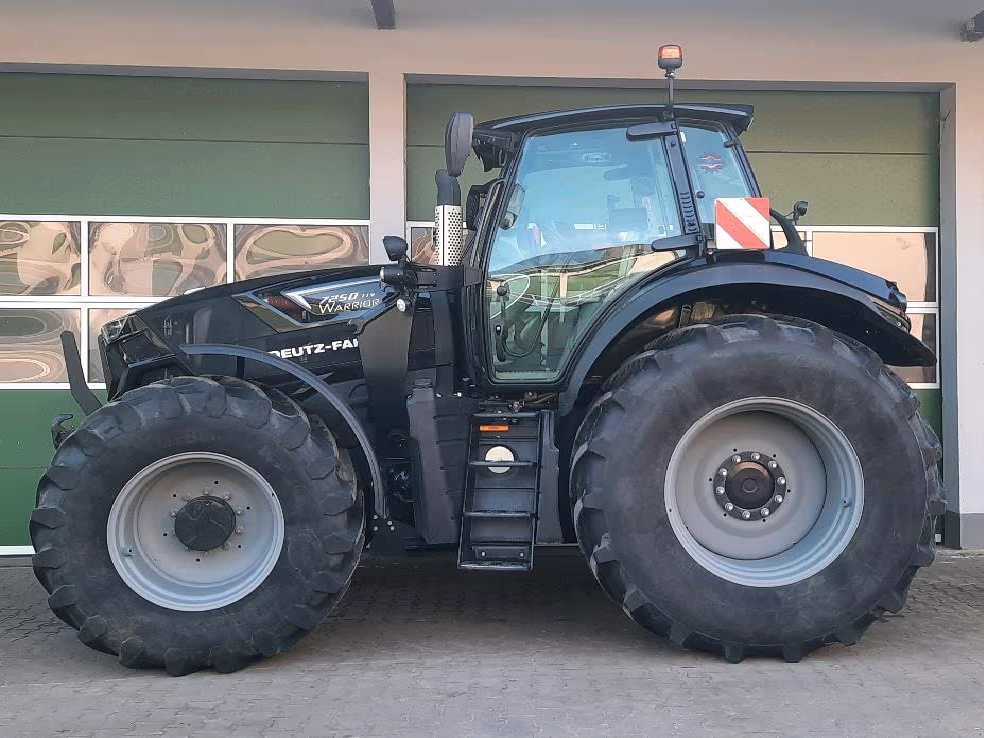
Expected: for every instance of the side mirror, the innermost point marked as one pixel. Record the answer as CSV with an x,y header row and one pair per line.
x,y
396,247
513,207
800,209
458,142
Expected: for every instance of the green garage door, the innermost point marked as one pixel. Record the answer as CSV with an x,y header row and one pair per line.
x,y
119,191
860,158
867,162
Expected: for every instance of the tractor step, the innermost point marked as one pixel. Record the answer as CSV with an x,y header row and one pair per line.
x,y
499,512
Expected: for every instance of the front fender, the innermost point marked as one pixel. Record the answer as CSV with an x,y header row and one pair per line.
x,y
847,300
319,386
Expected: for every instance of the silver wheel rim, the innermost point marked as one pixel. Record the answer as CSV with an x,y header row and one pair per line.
x,y
820,498
152,560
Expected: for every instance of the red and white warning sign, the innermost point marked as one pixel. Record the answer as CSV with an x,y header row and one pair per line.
x,y
741,223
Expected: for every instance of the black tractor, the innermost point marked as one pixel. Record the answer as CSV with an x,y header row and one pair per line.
x,y
586,358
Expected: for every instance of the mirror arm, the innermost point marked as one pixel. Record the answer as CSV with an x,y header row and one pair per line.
x,y
793,240
448,189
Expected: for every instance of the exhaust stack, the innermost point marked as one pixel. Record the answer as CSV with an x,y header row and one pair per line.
x,y
448,217
448,220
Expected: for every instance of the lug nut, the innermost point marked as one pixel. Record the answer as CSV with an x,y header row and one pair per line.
x,y
719,490
765,511
226,546
728,506
226,497
240,529
781,480
773,464
723,472
778,499
239,511
745,515
174,513
736,458
756,456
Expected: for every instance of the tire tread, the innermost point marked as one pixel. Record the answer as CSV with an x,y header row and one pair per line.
x,y
587,471
337,487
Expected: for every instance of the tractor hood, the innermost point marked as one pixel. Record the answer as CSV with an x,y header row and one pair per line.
x,y
306,317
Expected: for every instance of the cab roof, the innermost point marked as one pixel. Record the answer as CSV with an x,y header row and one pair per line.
x,y
739,116
495,140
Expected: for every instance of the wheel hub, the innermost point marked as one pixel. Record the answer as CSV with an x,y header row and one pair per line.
x,y
750,485
205,523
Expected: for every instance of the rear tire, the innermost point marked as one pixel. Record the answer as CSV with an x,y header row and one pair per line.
x,y
153,601
654,527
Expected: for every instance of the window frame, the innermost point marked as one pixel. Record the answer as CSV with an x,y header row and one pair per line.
x,y
85,301
913,307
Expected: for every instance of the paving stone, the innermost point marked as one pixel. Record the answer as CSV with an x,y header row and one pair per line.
x,y
419,649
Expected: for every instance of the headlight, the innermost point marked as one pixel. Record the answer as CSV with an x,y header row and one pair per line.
x,y
112,330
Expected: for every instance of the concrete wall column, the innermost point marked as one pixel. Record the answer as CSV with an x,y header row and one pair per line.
x,y
962,341
387,160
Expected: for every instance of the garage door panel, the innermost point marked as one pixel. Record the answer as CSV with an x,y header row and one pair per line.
x,y
85,106
855,189
186,178
889,122
26,442
421,190
932,408
830,122
17,503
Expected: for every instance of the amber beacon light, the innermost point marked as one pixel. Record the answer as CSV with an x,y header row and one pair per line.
x,y
670,57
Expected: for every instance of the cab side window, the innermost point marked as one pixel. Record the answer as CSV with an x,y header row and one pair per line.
x,y
714,168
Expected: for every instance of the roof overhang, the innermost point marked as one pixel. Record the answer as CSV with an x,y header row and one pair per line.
x,y
494,140
739,116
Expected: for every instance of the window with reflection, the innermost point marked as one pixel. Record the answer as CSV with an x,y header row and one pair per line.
x,y
40,258
908,259
98,317
422,245
714,167
779,238
262,250
924,327
30,348
155,259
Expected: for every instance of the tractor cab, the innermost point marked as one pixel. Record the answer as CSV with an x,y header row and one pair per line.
x,y
587,204
592,201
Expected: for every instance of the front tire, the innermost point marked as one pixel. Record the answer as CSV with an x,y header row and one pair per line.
x,y
196,523
756,486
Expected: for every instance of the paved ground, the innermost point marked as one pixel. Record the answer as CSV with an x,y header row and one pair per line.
x,y
420,649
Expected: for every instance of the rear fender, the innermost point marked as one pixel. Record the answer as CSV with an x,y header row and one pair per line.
x,y
844,299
